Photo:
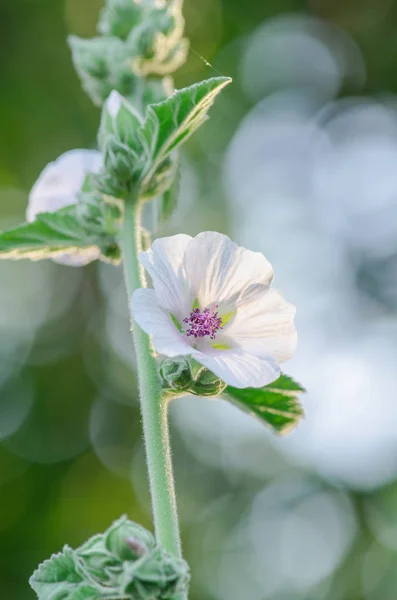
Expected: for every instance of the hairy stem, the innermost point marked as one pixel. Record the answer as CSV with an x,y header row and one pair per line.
x,y
153,404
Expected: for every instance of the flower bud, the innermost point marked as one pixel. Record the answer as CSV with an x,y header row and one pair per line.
x,y
119,120
118,539
58,186
207,384
182,374
155,575
175,374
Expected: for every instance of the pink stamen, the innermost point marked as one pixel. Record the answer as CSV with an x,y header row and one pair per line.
x,y
203,323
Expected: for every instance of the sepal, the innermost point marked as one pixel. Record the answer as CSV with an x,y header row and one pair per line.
x,y
185,375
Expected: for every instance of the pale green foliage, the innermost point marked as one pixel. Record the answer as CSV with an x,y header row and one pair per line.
x,y
103,65
123,126
138,151
157,44
124,563
276,404
119,17
142,154
75,229
138,154
170,123
138,40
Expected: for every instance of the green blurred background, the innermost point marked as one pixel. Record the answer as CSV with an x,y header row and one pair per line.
x,y
299,161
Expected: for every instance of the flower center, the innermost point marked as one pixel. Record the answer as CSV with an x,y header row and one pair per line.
x,y
203,323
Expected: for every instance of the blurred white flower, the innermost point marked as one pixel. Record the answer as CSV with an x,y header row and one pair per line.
x,y
212,300
58,186
301,52
354,185
113,103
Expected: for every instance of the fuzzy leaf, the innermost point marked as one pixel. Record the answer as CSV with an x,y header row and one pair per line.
x,y
87,592
169,199
119,119
155,575
51,234
57,577
119,17
170,123
103,64
157,44
276,404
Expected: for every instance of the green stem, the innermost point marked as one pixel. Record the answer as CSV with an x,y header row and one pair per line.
x,y
153,404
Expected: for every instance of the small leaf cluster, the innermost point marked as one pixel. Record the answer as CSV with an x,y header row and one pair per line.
x,y
139,44
124,563
139,153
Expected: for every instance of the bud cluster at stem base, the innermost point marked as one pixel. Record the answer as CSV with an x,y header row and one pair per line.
x,y
184,375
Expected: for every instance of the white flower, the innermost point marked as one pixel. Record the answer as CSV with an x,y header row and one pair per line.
x,y
212,300
113,103
58,186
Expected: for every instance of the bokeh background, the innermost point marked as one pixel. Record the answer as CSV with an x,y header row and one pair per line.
x,y
299,161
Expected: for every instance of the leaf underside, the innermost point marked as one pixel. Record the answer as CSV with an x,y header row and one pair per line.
x,y
170,123
276,404
51,234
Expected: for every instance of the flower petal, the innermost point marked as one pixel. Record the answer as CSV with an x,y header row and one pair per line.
x,y
221,272
239,368
164,263
264,326
79,258
61,180
57,187
113,103
157,322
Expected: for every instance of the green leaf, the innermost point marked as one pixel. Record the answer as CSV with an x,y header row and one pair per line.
x,y
119,119
52,234
141,154
56,577
170,123
103,64
87,592
288,384
119,17
157,44
276,404
169,199
155,90
60,567
115,538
